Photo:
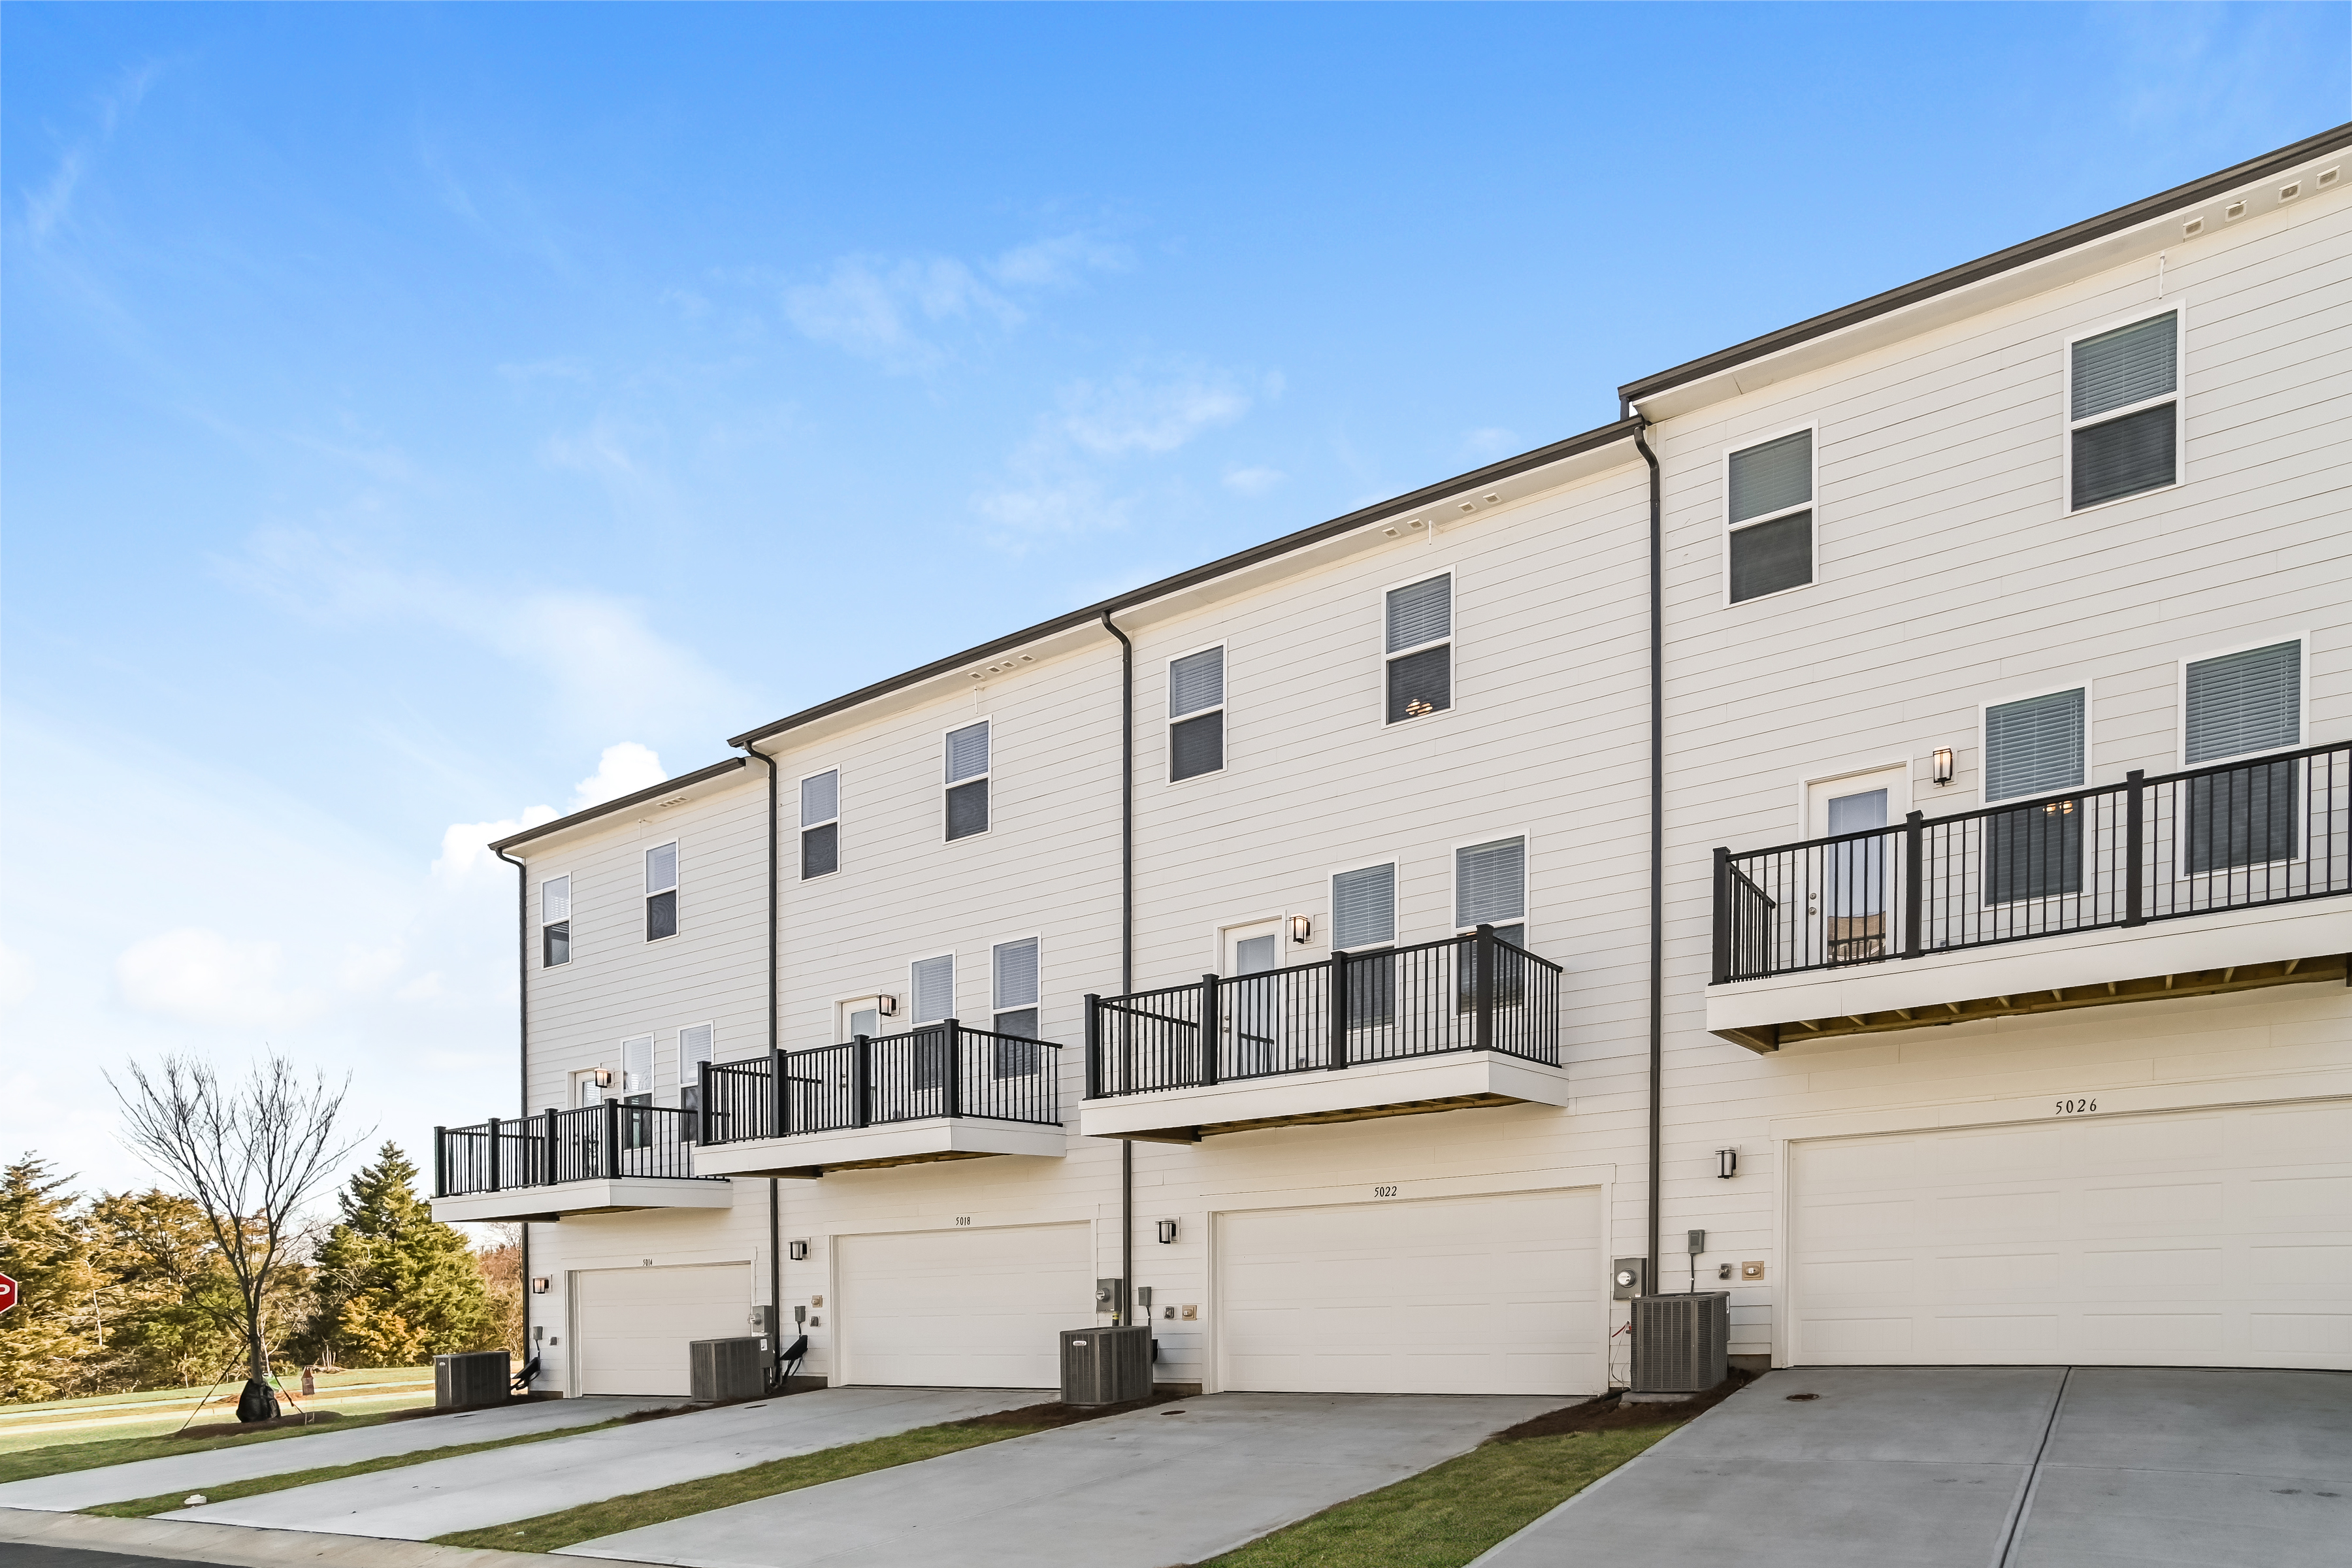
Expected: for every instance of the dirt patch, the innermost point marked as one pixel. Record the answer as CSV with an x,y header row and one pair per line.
x,y
1611,1413
1054,1413
239,1428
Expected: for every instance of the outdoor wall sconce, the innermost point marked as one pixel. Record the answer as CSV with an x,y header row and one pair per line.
x,y
887,1005
1727,1164
603,1078
1301,928
1166,1229
540,1284
800,1252
1943,764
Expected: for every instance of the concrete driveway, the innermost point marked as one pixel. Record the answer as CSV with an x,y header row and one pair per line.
x,y
2014,1466
445,1496
218,1467
1177,1483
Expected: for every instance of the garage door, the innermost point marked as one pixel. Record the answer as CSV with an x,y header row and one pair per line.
x,y
1485,1295
630,1326
2193,1238
963,1308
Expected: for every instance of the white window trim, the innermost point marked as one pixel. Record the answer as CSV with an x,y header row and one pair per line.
x,y
987,776
2302,639
1812,504
2178,306
1218,933
677,886
2086,686
1331,904
955,980
678,1052
1167,729
570,955
1809,782
1449,642
994,1007
836,771
874,995
1526,922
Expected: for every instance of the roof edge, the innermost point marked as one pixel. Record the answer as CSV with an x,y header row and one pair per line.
x,y
623,804
2194,193
1574,446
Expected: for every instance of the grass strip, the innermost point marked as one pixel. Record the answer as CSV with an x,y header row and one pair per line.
x,y
229,1492
612,1515
56,1459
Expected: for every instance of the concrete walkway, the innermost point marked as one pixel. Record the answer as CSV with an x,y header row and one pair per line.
x,y
1179,1483
446,1496
1981,1468
218,1467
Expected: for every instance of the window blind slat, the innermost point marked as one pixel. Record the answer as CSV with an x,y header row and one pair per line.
x,y
694,1043
1196,681
1363,907
554,900
637,1065
661,868
1017,972
2034,747
2245,702
2128,365
934,988
1490,882
1772,476
1420,612
820,798
968,752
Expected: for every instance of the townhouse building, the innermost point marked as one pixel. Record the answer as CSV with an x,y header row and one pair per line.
x,y
1869,831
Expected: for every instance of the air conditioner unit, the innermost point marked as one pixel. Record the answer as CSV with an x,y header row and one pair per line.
x,y
477,1377
1105,1366
1679,1341
722,1370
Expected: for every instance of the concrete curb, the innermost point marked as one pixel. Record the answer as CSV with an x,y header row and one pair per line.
x,y
241,1547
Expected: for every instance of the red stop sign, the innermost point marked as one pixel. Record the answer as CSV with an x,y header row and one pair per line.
x,y
7,1292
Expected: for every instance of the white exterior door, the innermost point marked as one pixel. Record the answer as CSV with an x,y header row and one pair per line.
x,y
630,1326
2191,1239
961,1309
1474,1295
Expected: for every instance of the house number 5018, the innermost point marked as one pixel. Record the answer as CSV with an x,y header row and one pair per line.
x,y
963,1219
2075,1106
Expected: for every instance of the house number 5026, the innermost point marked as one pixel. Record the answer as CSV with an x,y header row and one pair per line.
x,y
2075,1106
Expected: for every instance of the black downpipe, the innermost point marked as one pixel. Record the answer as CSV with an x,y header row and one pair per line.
x,y
1657,839
522,1065
1120,1312
775,1222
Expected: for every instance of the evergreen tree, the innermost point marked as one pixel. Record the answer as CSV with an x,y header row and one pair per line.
x,y
173,1314
393,1285
48,1344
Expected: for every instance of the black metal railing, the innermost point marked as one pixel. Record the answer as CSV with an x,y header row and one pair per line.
x,y
596,1142
2239,835
1475,992
939,1069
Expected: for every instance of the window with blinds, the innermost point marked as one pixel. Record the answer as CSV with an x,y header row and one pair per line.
x,y
2237,704
1769,510
968,779
2123,410
1419,640
931,984
661,891
1196,714
555,921
1490,884
1363,908
637,1069
821,824
1014,996
695,1045
2034,746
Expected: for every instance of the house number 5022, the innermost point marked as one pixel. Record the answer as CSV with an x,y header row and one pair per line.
x,y
1384,1191
2075,1106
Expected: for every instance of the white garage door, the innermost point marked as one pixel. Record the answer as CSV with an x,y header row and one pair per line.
x,y
963,1308
630,1326
2192,1238
1480,1295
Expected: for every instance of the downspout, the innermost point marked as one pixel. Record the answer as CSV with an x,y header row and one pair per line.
x,y
775,1218
522,1063
1120,1312
1657,840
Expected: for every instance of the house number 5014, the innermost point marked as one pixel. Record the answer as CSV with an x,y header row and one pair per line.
x,y
2075,1106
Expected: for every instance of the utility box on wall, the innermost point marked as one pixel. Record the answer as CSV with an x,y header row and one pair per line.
x,y
475,1377
1679,1341
1105,1366
727,1369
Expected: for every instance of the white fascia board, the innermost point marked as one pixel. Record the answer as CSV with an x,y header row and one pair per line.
x,y
899,1141
600,1196
1360,1088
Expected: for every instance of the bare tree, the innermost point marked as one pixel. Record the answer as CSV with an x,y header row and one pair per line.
x,y
250,1155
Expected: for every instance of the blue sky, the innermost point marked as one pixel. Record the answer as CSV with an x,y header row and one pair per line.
x,y
421,417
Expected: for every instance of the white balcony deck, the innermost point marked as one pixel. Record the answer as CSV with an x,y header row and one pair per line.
x,y
1405,1086
616,1194
893,1143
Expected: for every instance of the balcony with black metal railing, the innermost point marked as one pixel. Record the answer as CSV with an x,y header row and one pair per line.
x,y
2208,880
942,1091
600,1159
1460,1022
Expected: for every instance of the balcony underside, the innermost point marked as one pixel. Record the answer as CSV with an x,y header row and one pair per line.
x,y
618,1195
1413,1085
810,1154
2243,950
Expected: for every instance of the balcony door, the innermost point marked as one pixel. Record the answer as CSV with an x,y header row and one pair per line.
x,y
1253,1003
1853,882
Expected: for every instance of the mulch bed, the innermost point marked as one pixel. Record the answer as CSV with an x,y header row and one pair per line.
x,y
1054,1413
1611,1413
238,1428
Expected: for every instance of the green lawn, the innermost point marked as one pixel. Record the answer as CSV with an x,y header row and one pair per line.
x,y
59,1457
613,1515
140,1508
158,1412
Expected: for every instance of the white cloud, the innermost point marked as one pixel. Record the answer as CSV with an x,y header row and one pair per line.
x,y
466,845
1058,261
623,768
874,308
47,206
368,968
1253,481
200,976
1129,415
16,975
